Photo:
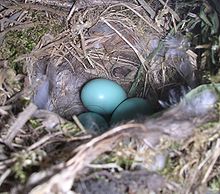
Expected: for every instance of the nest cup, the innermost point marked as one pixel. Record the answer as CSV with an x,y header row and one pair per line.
x,y
121,43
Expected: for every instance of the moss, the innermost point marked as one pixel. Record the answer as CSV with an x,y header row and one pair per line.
x,y
17,43
25,164
168,169
21,42
34,123
125,162
70,129
214,183
20,174
208,125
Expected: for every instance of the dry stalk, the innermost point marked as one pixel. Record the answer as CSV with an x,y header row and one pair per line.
x,y
215,156
84,157
23,117
4,176
141,58
51,2
147,8
44,140
170,10
37,7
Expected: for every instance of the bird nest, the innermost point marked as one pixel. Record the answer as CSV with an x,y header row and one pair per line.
x,y
143,47
120,42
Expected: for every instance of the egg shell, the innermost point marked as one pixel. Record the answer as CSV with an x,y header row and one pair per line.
x,y
131,109
93,122
102,96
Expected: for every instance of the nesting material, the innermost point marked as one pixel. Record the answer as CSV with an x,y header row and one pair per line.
x,y
121,43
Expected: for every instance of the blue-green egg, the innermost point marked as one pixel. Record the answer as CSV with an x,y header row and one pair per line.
x,y
130,109
93,122
102,96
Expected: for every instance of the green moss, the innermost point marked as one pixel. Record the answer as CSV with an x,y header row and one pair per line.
x,y
25,163
34,123
169,167
17,43
209,125
175,145
70,129
214,183
20,174
125,162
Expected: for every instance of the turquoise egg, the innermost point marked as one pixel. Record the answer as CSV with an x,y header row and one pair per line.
x,y
102,96
93,122
131,109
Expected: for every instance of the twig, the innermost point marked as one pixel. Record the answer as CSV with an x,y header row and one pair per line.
x,y
105,166
79,138
112,134
84,49
141,58
52,2
3,109
4,176
147,8
19,123
43,140
170,10
215,156
5,163
78,123
73,9
156,28
41,51
38,8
